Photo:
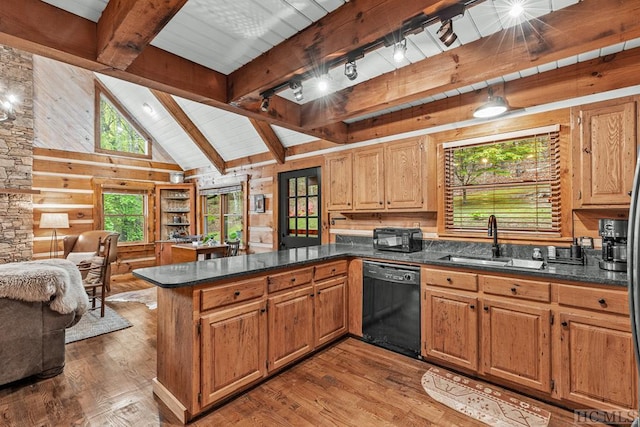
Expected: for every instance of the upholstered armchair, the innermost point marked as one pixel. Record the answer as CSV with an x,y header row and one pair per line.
x,y
84,246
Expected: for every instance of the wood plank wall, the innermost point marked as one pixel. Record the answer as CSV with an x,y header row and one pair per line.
x,y
65,181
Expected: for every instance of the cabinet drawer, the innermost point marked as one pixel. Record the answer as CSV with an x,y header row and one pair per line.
x,y
289,279
517,288
610,301
449,279
331,269
231,293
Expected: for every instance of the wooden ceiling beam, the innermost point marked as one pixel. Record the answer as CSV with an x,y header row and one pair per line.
x,y
126,28
582,79
191,129
576,29
270,139
351,26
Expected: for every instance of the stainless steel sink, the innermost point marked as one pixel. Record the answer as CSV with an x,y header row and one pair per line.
x,y
495,262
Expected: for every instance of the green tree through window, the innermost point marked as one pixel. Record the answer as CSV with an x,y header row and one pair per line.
x,y
116,133
124,213
223,214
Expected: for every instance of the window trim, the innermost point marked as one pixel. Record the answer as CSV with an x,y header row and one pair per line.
x,y
546,236
204,192
100,90
101,185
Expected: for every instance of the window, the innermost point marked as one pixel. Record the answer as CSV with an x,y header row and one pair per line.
x,y
125,213
514,177
223,210
116,130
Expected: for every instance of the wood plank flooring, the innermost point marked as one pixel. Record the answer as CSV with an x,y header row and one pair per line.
x,y
107,382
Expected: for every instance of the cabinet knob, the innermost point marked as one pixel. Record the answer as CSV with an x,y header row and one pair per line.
x,y
486,308
236,293
311,295
514,290
564,324
381,202
472,306
629,193
293,279
449,279
262,310
388,202
602,301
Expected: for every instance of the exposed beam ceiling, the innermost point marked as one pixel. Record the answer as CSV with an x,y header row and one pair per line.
x,y
270,139
127,27
191,129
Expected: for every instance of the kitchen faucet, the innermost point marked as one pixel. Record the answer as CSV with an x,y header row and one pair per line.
x,y
492,230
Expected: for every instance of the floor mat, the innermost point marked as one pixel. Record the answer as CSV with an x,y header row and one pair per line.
x,y
148,296
484,403
92,325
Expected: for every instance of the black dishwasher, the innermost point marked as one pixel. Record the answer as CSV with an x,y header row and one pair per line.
x,y
391,307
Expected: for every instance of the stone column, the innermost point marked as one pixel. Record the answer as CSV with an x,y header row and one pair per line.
x,y
16,157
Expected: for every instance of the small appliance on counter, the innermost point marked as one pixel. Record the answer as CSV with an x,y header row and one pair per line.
x,y
614,244
397,239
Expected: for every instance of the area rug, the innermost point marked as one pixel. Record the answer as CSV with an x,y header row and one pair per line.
x,y
482,402
92,325
148,296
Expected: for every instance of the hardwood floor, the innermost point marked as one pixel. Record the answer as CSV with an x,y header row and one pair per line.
x,y
107,382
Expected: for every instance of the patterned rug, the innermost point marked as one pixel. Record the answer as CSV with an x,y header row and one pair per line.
x,y
479,401
92,325
148,296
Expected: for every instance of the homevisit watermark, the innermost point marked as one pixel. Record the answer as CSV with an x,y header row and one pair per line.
x,y
596,416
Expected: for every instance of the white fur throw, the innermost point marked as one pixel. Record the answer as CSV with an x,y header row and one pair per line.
x,y
55,280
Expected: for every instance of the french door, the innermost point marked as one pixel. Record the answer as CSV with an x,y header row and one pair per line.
x,y
299,207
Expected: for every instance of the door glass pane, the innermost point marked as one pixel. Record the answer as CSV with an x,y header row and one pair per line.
x,y
302,186
313,226
292,187
292,227
292,207
302,227
313,185
302,208
312,209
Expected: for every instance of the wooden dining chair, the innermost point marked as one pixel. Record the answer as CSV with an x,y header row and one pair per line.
x,y
232,247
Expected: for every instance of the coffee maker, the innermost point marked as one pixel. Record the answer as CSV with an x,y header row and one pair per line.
x,y
614,244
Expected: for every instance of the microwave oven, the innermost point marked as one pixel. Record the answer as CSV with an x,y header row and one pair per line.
x,y
397,239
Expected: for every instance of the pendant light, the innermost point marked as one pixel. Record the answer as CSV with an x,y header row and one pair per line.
x,y
494,106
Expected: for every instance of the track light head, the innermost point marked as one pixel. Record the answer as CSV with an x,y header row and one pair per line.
x,y
296,87
494,106
445,33
264,105
399,50
351,70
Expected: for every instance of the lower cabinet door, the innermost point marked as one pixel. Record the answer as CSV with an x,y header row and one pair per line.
x,y
450,328
290,326
597,359
516,343
234,350
330,309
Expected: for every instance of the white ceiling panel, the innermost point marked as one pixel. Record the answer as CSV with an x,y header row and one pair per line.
x,y
89,9
289,138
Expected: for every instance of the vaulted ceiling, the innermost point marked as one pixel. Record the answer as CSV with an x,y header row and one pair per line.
x,y
205,66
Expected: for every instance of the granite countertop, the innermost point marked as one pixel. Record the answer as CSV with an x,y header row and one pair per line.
x,y
200,272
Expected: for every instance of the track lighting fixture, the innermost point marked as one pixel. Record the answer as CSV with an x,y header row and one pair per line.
x,y
399,50
350,70
296,87
323,83
264,105
445,33
494,106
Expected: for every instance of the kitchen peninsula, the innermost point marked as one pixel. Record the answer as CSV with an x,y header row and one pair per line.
x,y
241,319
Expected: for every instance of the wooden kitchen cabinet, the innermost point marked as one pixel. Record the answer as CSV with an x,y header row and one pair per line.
x,y
403,175
368,179
339,180
290,326
233,350
163,252
450,327
516,343
330,309
606,152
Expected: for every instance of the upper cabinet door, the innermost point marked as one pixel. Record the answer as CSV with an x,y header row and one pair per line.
x,y
368,179
339,182
607,153
403,167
